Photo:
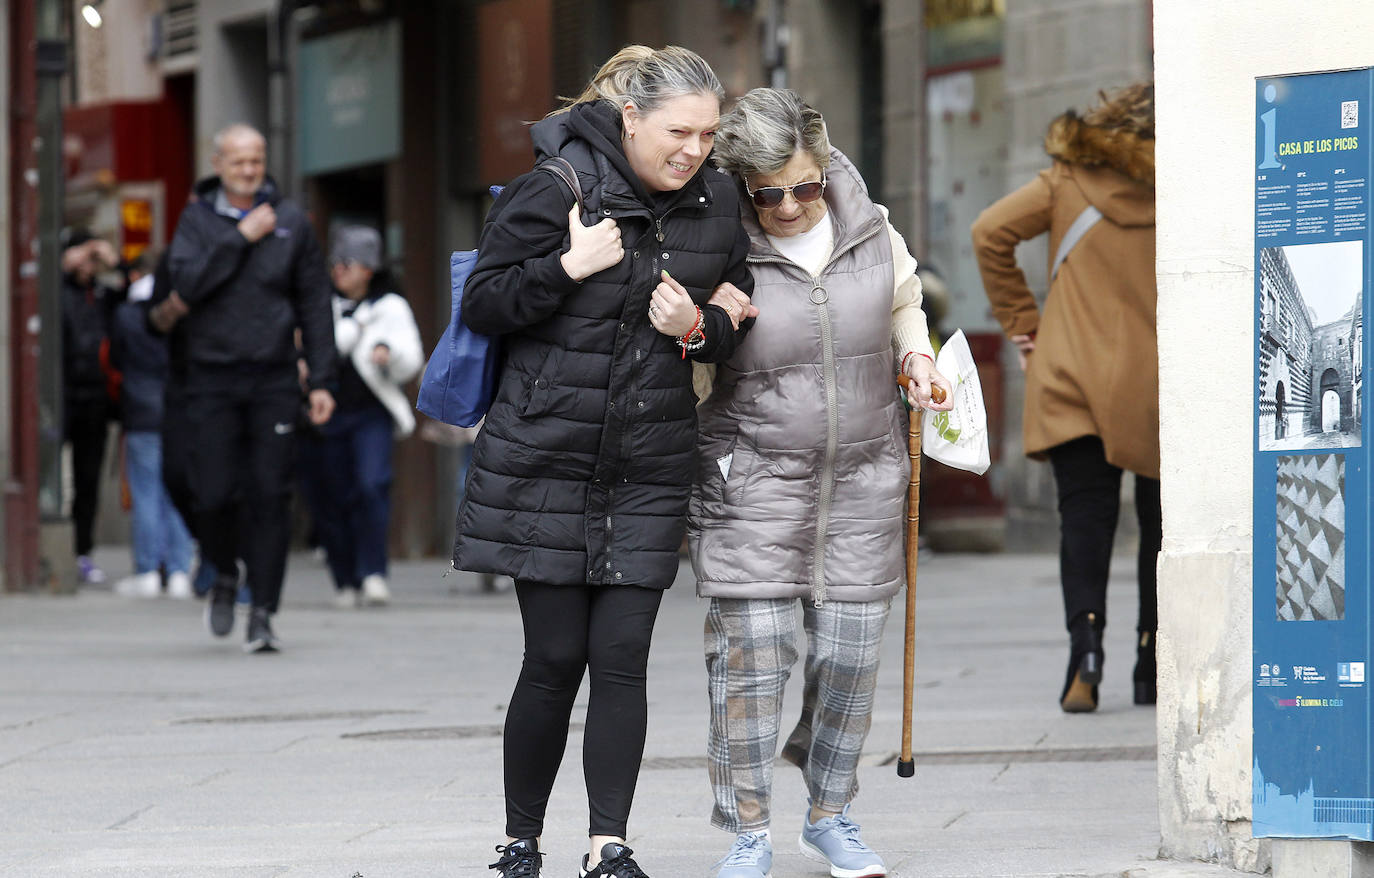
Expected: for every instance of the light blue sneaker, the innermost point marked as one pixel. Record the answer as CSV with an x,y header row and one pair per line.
x,y
751,857
835,841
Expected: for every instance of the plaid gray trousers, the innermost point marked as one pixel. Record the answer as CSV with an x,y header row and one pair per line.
x,y
751,646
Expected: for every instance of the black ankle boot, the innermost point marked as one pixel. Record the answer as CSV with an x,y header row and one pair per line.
x,y
1085,665
1146,689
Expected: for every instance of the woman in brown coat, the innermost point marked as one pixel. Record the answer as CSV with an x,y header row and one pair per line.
x,y
1090,356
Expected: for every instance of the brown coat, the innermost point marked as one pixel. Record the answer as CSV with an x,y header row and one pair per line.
x,y
1095,368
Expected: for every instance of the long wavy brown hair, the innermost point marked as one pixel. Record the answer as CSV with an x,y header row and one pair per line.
x,y
1131,108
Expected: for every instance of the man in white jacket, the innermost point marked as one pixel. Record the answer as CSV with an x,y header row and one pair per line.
x,y
379,352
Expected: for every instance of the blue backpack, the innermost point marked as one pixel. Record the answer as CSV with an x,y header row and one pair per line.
x,y
461,376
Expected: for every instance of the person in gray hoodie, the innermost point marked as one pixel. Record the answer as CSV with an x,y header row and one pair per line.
x,y
801,477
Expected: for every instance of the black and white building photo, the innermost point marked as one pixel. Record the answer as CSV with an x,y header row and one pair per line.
x,y
1311,343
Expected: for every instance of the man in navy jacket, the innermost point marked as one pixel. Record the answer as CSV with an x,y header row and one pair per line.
x,y
246,264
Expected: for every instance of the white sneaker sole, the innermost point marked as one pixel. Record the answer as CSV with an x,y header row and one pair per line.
x,y
811,852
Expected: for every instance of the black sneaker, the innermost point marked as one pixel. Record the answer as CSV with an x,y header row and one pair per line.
x,y
219,607
519,859
615,863
260,636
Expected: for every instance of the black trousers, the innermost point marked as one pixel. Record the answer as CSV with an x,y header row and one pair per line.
x,y
177,442
86,428
241,462
1089,500
570,629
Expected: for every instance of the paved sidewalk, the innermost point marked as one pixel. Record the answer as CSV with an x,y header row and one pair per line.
x,y
132,744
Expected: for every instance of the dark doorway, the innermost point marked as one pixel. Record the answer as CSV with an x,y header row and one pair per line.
x,y
1330,407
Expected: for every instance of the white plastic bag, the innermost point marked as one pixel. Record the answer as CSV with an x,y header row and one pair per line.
x,y
958,437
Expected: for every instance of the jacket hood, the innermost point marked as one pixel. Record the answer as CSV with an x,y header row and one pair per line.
x,y
206,187
1113,167
597,126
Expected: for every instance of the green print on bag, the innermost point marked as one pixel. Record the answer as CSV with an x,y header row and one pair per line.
x,y
941,421
947,433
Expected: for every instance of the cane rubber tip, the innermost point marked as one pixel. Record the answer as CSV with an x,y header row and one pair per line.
x,y
906,767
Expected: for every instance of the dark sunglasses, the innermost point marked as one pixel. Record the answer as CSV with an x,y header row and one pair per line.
x,y
771,196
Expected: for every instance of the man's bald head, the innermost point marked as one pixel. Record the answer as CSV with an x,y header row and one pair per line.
x,y
237,131
240,160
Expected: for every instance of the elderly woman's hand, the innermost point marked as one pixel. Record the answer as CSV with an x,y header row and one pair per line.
x,y
671,309
923,375
734,302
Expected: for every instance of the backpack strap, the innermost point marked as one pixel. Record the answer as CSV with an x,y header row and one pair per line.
x,y
563,169
1084,221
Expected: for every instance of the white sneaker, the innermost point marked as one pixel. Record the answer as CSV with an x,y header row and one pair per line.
x,y
346,599
179,585
140,585
375,592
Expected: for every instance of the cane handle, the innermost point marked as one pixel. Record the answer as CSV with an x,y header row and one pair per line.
x,y
937,393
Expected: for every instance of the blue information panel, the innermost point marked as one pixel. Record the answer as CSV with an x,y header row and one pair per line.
x,y
1312,766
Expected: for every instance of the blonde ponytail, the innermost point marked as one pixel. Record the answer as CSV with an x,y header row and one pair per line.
x,y
647,77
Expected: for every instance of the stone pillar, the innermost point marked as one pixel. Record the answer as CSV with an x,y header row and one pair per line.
x,y
1058,54
1206,59
904,113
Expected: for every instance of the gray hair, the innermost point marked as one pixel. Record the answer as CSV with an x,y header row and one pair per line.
x,y
237,129
764,129
647,77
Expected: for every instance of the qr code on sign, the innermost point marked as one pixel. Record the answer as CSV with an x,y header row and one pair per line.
x,y
1350,114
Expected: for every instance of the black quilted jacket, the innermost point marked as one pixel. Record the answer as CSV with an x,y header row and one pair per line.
x,y
583,469
248,299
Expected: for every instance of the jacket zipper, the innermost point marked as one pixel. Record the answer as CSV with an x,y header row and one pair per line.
x,y
625,416
820,299
832,442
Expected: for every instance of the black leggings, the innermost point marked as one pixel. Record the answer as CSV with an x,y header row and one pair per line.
x,y
570,628
1089,501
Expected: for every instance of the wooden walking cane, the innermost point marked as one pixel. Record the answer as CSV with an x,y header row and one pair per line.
x,y
906,765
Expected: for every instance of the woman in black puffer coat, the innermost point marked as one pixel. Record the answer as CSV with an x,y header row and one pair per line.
x,y
580,478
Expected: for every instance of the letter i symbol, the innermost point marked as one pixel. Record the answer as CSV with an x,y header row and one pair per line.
x,y
1270,120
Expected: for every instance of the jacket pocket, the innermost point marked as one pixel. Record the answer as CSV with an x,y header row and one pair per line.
x,y
539,385
737,467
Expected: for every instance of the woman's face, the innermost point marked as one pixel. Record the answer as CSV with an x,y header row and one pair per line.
x,y
669,144
791,217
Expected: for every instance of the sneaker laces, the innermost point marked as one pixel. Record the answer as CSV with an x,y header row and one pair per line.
x,y
621,866
848,831
746,851
522,861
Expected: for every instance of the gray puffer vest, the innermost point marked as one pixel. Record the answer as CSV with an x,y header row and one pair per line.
x,y
801,468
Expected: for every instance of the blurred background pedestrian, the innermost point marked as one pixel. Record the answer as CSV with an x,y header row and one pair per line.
x,y
160,540
87,309
379,352
246,264
1090,356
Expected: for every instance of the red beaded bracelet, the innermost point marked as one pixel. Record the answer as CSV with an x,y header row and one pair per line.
x,y
694,339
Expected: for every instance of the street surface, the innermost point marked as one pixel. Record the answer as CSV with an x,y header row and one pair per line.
x,y
133,744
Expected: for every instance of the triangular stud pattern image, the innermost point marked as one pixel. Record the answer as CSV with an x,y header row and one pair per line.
x,y
1310,538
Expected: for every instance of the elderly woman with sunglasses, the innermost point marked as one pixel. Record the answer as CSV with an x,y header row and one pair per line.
x,y
801,478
